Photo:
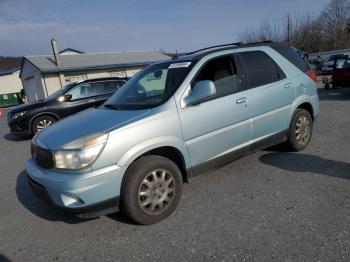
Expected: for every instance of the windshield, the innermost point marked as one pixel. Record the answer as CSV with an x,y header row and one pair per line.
x,y
59,92
151,87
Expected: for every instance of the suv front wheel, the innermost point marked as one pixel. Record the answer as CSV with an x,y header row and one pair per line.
x,y
42,122
151,189
300,130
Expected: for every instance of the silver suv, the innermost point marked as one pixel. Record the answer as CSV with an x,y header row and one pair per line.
x,y
171,121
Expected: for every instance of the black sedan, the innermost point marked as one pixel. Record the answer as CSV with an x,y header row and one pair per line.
x,y
30,118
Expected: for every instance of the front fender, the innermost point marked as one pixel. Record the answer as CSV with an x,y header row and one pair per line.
x,y
151,144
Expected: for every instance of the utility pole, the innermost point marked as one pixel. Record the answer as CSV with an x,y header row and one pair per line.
x,y
288,29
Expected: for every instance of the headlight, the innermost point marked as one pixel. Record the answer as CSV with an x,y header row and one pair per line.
x,y
80,153
19,114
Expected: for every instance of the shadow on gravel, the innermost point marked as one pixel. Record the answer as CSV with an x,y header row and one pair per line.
x,y
49,212
11,137
3,258
307,163
338,94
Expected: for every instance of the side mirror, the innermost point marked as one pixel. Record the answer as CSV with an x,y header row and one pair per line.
x,y
201,91
64,98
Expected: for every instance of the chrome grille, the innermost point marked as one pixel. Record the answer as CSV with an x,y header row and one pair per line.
x,y
42,156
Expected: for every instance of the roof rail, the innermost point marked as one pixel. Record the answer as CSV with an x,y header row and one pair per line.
x,y
215,46
224,45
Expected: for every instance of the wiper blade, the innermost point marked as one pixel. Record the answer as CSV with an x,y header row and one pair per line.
x,y
111,106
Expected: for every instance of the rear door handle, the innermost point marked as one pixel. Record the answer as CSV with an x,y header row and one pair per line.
x,y
241,100
288,85
91,101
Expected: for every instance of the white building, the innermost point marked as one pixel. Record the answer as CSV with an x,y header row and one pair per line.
x,y
42,75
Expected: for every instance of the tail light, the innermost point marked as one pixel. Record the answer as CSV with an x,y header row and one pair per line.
x,y
311,74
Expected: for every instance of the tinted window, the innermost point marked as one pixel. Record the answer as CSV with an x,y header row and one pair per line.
x,y
223,72
105,87
261,69
81,91
293,57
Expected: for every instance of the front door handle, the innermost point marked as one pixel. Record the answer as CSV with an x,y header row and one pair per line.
x,y
241,100
288,85
91,101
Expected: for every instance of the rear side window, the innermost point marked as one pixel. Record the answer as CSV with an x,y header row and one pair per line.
x,y
261,69
106,87
293,57
223,72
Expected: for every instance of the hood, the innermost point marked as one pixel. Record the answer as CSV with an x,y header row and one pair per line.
x,y
28,106
86,123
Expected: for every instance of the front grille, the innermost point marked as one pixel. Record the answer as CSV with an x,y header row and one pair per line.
x,y
42,156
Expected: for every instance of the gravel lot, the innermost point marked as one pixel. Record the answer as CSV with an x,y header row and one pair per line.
x,y
270,206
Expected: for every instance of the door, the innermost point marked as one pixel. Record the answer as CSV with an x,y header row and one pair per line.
x,y
220,125
82,98
271,94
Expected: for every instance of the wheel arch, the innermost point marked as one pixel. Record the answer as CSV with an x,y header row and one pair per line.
x,y
42,114
308,107
174,150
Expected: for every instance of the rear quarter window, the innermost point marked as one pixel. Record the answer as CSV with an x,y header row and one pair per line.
x,y
292,56
260,69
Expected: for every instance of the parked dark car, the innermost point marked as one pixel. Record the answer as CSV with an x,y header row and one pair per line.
x,y
30,118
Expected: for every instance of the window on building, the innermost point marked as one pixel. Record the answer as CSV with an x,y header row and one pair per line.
x,y
118,73
261,69
74,77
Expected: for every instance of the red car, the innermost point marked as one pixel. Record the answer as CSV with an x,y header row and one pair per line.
x,y
341,74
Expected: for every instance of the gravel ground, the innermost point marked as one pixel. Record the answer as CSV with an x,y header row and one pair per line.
x,y
269,206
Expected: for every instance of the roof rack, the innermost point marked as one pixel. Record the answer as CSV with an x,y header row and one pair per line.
x,y
215,46
224,45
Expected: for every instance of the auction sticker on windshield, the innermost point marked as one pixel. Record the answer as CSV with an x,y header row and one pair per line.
x,y
179,65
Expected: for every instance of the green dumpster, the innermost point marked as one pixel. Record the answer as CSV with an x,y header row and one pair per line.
x,y
11,99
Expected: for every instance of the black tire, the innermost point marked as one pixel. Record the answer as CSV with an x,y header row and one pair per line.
x,y
144,169
300,130
42,122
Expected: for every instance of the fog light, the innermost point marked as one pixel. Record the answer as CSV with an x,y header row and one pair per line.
x,y
69,200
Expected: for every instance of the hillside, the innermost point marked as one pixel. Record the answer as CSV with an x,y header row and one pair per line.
x,y
9,62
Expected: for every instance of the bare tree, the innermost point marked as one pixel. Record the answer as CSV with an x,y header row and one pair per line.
x,y
328,31
267,31
335,18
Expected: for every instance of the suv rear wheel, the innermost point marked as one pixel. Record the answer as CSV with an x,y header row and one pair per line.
x,y
151,189
300,130
42,122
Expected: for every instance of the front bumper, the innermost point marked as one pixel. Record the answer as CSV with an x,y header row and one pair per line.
x,y
19,127
85,194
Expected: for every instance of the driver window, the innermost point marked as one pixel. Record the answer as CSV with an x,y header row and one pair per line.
x,y
222,71
81,91
153,84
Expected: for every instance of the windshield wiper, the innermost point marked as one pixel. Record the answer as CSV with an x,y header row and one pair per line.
x,y
111,106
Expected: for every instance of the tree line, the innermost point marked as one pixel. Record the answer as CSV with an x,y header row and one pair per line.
x,y
328,31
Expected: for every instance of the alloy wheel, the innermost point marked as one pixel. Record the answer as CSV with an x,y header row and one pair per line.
x,y
156,192
302,130
43,124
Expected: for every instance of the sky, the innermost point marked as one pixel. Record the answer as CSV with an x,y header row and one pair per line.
x,y
27,26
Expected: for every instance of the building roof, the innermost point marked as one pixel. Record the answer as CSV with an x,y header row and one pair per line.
x,y
46,64
71,50
8,72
